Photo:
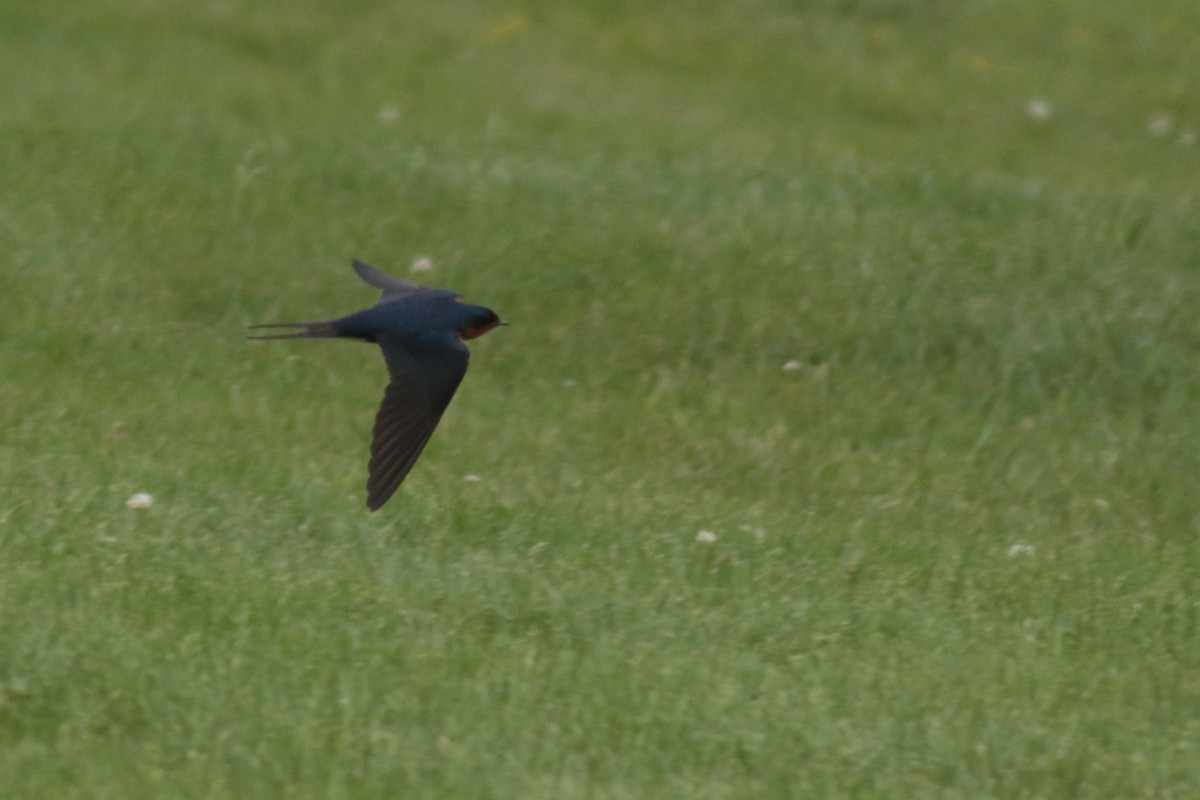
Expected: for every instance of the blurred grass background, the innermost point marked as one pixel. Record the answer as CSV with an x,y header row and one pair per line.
x,y
896,299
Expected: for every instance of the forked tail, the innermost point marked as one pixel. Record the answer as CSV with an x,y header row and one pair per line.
x,y
312,330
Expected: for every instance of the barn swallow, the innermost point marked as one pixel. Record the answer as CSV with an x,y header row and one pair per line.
x,y
421,333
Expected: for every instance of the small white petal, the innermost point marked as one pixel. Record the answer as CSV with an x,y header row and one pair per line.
x,y
792,366
388,113
705,537
1021,549
472,478
422,264
139,500
1160,125
1040,109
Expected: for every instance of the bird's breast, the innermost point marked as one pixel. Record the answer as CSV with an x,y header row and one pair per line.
x,y
471,331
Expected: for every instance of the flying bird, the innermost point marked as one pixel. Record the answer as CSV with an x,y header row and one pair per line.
x,y
421,333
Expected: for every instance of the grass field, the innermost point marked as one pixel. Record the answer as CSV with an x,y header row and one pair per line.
x,y
844,442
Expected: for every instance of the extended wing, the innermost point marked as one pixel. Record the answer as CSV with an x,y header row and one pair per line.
x,y
423,381
390,288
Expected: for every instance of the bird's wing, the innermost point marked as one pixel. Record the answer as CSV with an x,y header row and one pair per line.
x,y
389,288
423,380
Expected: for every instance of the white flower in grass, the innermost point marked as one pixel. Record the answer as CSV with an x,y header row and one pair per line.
x,y
1039,109
139,500
706,537
1160,125
422,264
792,366
472,478
1021,549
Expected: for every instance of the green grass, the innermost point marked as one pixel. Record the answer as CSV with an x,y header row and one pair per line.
x,y
957,537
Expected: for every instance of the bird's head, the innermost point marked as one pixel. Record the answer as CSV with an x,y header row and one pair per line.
x,y
479,321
